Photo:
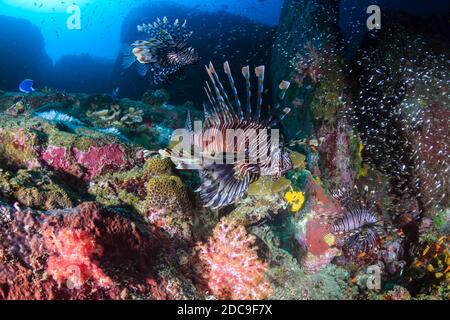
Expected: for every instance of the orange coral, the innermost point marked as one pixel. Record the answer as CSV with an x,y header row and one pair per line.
x,y
231,265
71,258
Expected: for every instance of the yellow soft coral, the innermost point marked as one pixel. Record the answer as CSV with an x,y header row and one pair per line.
x,y
295,199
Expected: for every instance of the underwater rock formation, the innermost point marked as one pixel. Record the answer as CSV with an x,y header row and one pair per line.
x,y
86,250
23,54
109,255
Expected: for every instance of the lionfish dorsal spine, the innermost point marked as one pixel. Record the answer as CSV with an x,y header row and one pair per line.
x,y
220,91
212,101
246,74
259,72
237,102
219,99
283,87
188,124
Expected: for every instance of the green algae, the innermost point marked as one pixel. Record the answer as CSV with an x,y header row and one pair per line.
x,y
35,190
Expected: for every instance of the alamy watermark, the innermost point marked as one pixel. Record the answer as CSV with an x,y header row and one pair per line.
x,y
74,281
374,20
224,146
374,279
73,22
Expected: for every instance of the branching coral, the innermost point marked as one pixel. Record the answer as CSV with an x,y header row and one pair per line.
x,y
308,65
232,268
116,116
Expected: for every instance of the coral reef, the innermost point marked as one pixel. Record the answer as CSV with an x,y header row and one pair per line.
x,y
231,267
71,258
89,210
89,246
35,190
168,205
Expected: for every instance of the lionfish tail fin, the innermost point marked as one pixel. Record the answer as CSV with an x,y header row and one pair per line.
x,y
220,187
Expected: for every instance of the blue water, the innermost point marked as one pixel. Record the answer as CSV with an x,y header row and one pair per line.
x,y
38,42
101,20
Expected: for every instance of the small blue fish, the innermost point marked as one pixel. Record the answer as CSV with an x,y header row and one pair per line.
x,y
26,86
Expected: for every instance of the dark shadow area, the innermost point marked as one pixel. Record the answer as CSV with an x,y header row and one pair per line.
x,y
22,54
83,73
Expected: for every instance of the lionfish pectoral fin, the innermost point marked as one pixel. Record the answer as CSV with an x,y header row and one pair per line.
x,y
180,162
220,187
189,166
142,69
127,57
165,153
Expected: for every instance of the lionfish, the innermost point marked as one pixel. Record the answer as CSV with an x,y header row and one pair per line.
x,y
227,164
359,227
165,54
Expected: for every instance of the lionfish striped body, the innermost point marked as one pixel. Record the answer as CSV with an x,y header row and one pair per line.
x,y
235,144
360,228
166,53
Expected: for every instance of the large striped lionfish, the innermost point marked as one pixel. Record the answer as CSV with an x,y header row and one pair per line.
x,y
359,227
165,53
228,163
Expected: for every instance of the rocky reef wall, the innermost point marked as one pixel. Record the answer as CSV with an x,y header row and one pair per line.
x,y
83,73
23,53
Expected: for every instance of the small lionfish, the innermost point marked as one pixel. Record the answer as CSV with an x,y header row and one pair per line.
x,y
359,226
165,53
253,155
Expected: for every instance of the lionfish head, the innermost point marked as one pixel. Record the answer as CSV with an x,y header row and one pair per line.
x,y
278,164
